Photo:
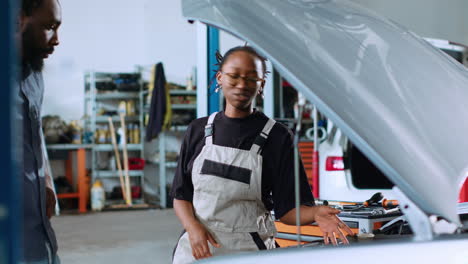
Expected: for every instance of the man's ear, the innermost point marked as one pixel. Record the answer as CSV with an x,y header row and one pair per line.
x,y
23,20
262,85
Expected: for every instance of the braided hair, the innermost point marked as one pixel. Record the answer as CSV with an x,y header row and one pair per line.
x,y
222,59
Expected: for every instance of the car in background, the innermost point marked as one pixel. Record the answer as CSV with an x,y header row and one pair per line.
x,y
401,102
345,173
457,51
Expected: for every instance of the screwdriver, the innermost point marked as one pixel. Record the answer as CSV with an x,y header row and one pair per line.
x,y
387,204
374,199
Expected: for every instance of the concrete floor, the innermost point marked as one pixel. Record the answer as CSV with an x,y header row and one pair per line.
x,y
117,237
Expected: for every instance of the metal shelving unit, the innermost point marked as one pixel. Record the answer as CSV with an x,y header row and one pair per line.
x,y
94,99
163,164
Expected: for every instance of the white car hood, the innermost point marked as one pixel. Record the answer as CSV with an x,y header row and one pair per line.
x,y
400,100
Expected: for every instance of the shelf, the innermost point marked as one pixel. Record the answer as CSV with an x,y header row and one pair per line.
x,y
98,147
116,95
104,119
176,107
182,92
109,173
184,106
109,147
109,100
109,203
178,92
68,146
171,164
179,128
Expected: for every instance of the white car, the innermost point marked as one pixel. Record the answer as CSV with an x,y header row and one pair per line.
x,y
401,101
345,173
348,175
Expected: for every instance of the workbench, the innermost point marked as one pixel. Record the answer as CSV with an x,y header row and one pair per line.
x,y
82,189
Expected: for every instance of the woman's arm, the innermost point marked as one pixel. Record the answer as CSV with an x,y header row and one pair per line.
x,y
198,234
325,217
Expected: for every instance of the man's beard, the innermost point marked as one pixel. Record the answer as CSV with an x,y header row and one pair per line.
x,y
31,53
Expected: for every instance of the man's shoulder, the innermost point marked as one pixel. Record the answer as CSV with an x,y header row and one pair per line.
x,y
28,74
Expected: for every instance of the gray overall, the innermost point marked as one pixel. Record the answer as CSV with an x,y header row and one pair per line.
x,y
228,198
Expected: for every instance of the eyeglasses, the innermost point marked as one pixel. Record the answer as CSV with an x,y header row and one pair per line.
x,y
235,78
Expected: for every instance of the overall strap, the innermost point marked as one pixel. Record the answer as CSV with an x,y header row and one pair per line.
x,y
261,139
209,130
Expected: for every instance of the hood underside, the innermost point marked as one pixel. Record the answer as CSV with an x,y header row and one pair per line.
x,y
403,102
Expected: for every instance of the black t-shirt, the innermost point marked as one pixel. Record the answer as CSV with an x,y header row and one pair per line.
x,y
277,153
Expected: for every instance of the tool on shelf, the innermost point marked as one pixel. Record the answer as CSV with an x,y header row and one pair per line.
x,y
112,94
128,195
117,158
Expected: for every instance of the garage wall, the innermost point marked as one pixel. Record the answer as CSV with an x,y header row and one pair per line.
x,y
116,35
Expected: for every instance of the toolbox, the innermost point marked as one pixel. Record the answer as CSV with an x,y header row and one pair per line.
x,y
366,220
360,220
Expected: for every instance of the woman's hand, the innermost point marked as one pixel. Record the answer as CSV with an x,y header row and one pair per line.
x,y
331,225
198,236
197,232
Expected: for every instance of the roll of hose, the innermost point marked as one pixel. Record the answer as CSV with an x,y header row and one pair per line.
x,y
322,134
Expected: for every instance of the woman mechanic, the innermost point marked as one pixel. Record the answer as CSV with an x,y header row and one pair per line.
x,y
236,166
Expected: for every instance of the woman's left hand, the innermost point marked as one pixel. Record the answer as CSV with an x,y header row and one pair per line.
x,y
331,226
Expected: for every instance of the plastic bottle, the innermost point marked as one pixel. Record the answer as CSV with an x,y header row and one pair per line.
x,y
123,107
129,134
107,135
189,84
98,196
122,138
136,134
130,108
101,134
76,131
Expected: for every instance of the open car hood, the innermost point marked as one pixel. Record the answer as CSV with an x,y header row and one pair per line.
x,y
403,102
